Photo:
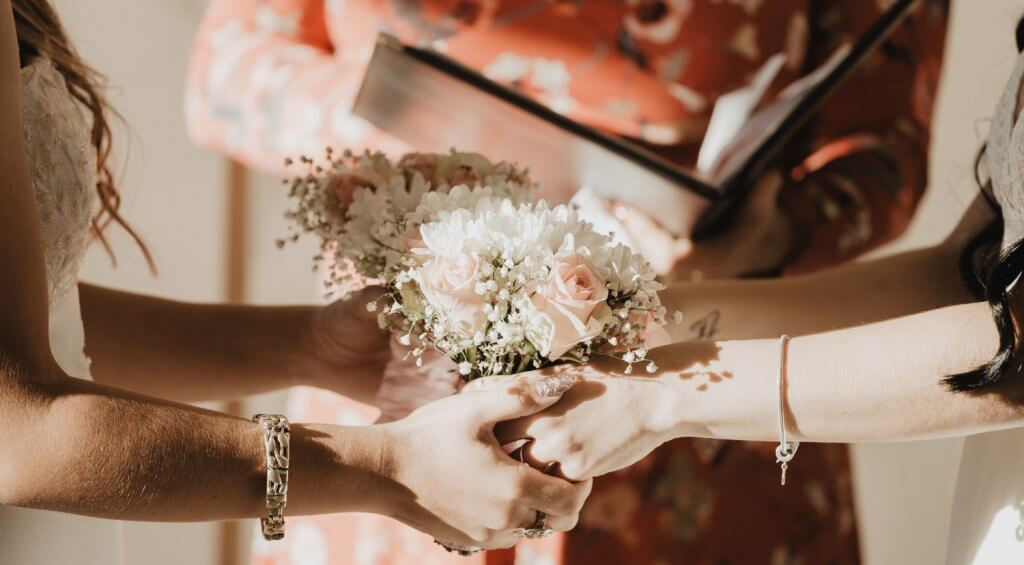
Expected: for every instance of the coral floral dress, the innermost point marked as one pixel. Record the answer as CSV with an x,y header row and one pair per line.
x,y
272,78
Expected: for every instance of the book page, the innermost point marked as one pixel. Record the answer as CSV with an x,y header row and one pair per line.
x,y
732,110
763,123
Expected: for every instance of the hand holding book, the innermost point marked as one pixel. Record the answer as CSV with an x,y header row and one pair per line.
x,y
758,239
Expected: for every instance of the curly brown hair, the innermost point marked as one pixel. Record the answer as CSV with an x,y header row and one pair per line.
x,y
40,33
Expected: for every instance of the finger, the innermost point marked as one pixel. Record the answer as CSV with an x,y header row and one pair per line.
x,y
639,223
662,248
512,430
558,460
512,448
562,523
552,495
518,397
501,540
542,462
525,518
453,538
487,383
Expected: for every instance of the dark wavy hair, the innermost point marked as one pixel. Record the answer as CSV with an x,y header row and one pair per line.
x,y
988,273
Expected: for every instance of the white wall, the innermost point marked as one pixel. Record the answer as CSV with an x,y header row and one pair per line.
x,y
173,192
174,195
904,491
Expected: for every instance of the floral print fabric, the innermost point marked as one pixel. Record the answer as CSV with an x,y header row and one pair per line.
x,y
274,78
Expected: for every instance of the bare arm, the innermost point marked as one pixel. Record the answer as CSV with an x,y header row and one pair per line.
x,y
845,296
201,352
86,448
80,447
881,381
841,297
877,382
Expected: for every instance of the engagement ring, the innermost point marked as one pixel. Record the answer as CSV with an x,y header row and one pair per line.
x,y
538,531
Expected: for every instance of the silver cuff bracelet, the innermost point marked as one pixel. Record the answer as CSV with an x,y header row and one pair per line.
x,y
276,440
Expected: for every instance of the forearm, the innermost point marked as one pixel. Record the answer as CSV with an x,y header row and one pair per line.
x,y
845,296
878,382
195,352
89,449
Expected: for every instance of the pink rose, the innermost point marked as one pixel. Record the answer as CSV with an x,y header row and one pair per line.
x,y
570,299
465,175
422,163
448,284
462,168
345,185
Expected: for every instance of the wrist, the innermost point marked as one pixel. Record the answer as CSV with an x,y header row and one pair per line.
x,y
343,469
717,389
325,358
393,495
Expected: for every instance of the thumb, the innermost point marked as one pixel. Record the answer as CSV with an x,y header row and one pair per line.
x,y
519,397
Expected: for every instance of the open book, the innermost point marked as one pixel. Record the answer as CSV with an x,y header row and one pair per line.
x,y
434,103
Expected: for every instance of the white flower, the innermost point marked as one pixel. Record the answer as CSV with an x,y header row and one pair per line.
x,y
540,329
472,266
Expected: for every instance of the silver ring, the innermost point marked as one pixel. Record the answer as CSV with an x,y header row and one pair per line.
x,y
538,531
463,550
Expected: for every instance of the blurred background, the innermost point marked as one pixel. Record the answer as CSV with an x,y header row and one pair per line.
x,y
212,225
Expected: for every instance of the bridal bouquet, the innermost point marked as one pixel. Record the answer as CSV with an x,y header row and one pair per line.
x,y
474,268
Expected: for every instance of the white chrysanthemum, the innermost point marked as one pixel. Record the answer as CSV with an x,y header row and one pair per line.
x,y
371,234
473,267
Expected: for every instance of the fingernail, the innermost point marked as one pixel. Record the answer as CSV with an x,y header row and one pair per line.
x,y
549,387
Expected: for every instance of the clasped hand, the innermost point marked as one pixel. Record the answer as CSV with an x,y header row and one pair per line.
x,y
600,425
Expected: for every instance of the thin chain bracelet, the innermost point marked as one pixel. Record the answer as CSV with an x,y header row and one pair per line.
x,y
786,450
276,442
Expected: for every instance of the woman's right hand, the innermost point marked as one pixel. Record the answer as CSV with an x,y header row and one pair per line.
x,y
453,481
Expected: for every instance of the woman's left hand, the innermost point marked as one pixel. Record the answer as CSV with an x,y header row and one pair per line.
x,y
601,425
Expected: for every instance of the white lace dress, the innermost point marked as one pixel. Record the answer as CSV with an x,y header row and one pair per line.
x,y
63,166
